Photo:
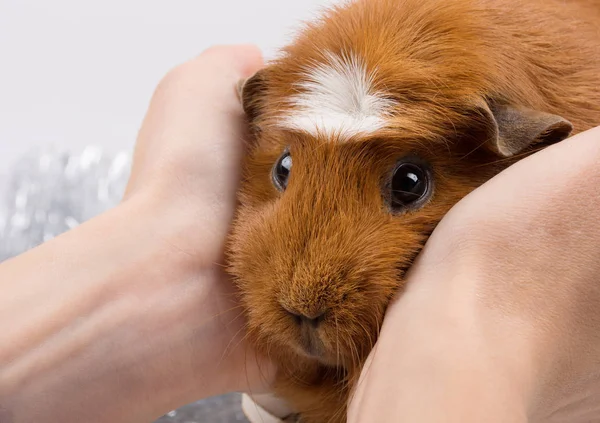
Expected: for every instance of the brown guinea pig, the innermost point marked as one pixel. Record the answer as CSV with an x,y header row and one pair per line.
x,y
390,111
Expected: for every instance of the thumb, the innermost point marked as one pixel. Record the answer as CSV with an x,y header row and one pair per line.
x,y
194,125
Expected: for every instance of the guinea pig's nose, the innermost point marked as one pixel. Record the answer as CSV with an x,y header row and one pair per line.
x,y
310,319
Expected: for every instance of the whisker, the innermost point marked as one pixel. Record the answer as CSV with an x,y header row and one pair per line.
x,y
226,350
237,316
366,333
473,150
337,341
367,367
339,411
511,158
248,383
225,312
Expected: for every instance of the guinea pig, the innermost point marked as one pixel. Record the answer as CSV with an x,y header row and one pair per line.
x,y
365,131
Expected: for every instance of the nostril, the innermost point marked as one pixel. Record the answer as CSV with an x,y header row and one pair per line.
x,y
297,317
312,319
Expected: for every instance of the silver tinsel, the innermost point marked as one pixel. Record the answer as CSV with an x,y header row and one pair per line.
x,y
47,193
50,192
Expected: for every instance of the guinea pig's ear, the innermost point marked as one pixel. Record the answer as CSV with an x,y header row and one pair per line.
x,y
251,92
510,130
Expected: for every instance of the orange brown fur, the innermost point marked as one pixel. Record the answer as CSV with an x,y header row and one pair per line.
x,y
329,239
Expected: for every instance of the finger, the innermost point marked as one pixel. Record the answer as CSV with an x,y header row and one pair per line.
x,y
195,120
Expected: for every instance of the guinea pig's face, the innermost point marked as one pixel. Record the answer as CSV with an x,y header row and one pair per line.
x,y
325,231
340,191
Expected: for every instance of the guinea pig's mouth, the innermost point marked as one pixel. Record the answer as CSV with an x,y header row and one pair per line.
x,y
309,344
322,345
314,349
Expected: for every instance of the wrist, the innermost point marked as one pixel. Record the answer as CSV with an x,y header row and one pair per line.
x,y
445,357
113,331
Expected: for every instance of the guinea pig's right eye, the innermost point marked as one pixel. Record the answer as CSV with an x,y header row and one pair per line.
x,y
281,171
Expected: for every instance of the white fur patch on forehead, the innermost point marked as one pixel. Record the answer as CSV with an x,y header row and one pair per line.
x,y
337,99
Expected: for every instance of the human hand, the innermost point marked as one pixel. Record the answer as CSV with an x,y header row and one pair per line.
x,y
187,163
130,315
500,320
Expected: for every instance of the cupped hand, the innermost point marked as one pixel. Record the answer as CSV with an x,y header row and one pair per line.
x,y
500,320
187,164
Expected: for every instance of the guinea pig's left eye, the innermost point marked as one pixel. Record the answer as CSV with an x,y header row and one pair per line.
x,y
281,171
410,185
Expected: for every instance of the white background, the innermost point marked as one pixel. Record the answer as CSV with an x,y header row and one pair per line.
x,y
74,73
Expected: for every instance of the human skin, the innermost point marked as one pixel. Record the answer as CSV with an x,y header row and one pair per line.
x,y
130,315
500,320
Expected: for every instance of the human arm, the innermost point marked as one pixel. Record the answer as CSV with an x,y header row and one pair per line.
x,y
500,320
130,315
